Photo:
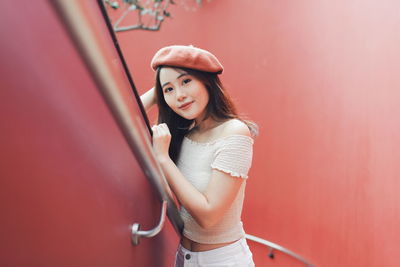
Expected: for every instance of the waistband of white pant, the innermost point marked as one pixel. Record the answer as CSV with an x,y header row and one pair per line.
x,y
213,252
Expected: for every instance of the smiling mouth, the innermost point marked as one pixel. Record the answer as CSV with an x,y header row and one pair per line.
x,y
185,106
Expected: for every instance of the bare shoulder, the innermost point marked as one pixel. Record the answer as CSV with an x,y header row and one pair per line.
x,y
235,127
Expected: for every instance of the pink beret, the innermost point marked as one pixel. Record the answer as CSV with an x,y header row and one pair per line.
x,y
187,57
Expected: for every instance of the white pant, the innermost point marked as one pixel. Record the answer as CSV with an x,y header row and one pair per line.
x,y
236,254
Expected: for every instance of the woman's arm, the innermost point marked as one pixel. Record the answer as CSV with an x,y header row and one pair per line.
x,y
207,207
148,99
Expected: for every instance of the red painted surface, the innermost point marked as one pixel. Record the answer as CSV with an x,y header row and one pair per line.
x,y
321,79
70,188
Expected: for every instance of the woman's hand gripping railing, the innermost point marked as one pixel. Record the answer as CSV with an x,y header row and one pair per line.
x,y
103,65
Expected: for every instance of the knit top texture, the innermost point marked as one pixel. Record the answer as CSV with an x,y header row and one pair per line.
x,y
232,155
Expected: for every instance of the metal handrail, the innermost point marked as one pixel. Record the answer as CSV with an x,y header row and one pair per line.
x,y
273,246
137,233
133,128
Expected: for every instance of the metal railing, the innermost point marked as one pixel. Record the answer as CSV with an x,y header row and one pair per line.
x,y
273,246
101,60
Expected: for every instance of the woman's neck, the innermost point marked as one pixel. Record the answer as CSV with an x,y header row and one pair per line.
x,y
202,126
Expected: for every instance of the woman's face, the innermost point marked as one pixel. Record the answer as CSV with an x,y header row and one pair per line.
x,y
184,94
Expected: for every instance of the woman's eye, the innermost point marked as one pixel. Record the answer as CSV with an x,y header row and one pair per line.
x,y
185,81
168,89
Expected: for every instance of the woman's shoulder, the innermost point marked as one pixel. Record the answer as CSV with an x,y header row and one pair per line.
x,y
234,127
232,130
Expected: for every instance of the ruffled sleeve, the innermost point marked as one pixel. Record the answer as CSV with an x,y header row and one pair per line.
x,y
234,156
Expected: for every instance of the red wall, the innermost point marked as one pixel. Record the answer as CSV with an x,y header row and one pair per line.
x,y
70,187
321,79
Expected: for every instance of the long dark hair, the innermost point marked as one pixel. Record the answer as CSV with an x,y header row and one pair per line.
x,y
220,107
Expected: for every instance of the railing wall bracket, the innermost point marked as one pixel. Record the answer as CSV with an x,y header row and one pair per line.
x,y
137,234
272,246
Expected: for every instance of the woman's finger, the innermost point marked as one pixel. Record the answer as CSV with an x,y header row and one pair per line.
x,y
160,130
156,130
165,128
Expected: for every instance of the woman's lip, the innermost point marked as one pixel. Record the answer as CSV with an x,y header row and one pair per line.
x,y
185,106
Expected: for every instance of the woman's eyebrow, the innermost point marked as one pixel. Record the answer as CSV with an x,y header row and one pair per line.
x,y
182,74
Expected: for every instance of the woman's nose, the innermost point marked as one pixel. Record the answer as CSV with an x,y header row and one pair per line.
x,y
180,94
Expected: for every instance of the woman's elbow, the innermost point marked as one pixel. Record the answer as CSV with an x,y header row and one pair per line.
x,y
208,222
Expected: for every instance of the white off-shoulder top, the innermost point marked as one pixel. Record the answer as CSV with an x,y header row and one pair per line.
x,y
233,155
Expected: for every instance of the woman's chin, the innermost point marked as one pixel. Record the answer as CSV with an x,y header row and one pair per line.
x,y
188,117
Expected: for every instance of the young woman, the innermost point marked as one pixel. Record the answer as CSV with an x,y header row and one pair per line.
x,y
205,151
